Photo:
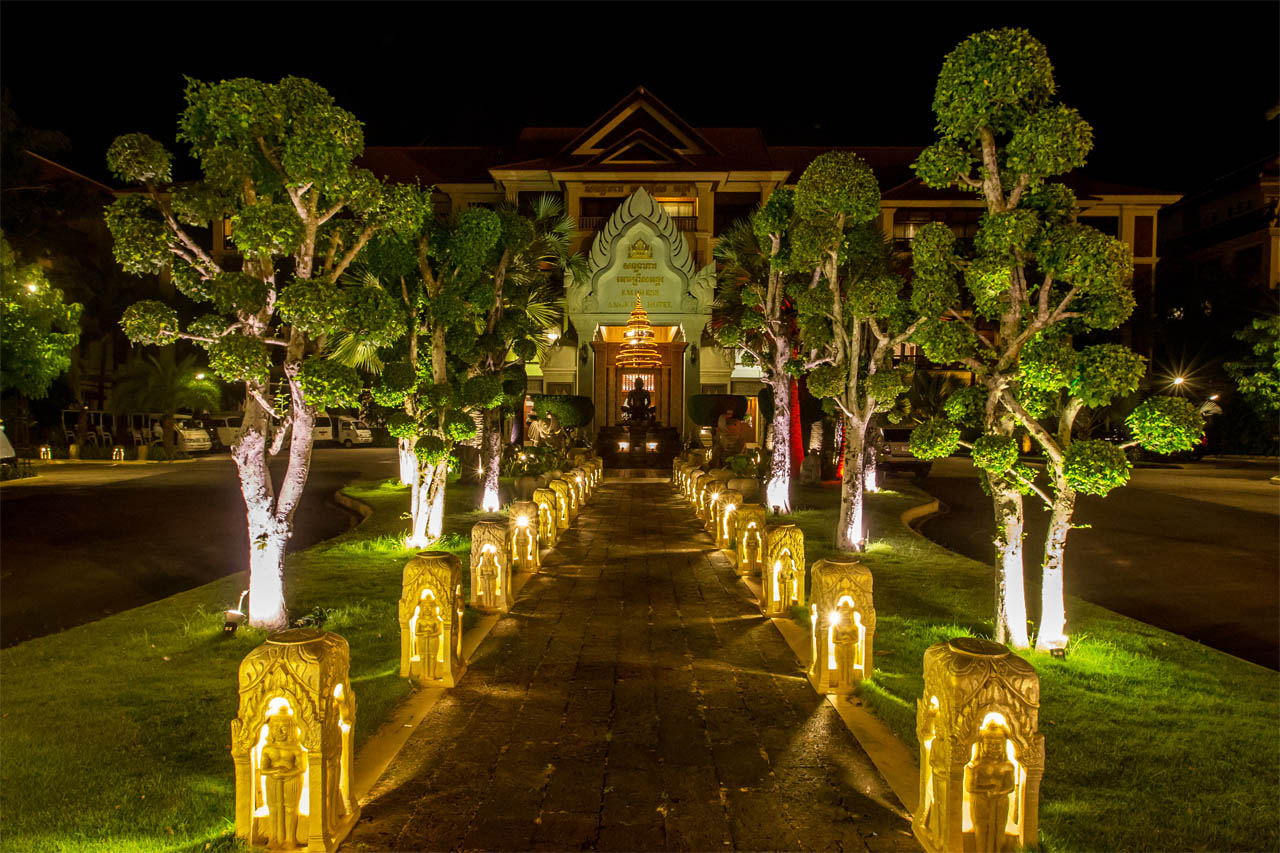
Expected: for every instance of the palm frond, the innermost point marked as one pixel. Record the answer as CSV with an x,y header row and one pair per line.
x,y
353,351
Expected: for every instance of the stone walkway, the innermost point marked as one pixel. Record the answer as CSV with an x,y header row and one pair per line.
x,y
634,699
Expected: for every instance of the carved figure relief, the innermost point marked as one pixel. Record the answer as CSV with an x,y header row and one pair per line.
x,y
843,619
981,753
522,528
292,742
750,540
548,526
561,489
490,567
430,616
726,528
783,585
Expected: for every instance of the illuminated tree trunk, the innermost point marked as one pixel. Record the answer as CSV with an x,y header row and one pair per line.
x,y
491,459
1011,597
270,512
435,501
869,468
408,462
850,535
778,491
1053,609
796,432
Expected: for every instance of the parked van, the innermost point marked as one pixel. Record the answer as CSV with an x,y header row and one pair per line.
x,y
188,435
352,432
224,428
323,430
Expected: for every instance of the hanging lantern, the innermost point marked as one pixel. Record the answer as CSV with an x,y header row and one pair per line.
x,y
638,351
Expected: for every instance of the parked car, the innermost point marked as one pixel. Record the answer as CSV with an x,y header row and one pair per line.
x,y
895,453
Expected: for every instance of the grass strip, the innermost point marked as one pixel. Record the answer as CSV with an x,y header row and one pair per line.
x,y
116,735
1153,741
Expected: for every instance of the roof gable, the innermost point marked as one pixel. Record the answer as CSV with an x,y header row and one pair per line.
x,y
639,111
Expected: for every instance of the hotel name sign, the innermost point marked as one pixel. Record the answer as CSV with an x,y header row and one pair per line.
x,y
652,189
641,272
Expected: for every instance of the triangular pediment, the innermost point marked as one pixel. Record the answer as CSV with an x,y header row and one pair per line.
x,y
639,148
639,111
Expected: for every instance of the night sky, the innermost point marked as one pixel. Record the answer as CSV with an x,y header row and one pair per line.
x,y
1176,92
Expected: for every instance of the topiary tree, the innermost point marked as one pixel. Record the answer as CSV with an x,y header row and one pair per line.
x,y
276,163
1055,375
850,312
752,314
1002,134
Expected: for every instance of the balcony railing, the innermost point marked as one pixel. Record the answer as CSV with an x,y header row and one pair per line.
x,y
588,224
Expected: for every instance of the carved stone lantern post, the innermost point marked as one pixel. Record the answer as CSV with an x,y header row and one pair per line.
x,y
522,528
843,616
981,751
694,485
707,494
563,498
431,619
725,528
292,743
783,579
490,567
750,551
577,479
548,528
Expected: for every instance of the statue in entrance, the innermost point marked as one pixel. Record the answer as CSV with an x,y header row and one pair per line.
x,y
636,409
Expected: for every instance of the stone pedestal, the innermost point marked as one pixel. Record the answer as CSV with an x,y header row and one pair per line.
x,y
548,528
563,499
490,567
749,552
725,528
843,615
981,751
292,743
522,531
431,619
783,580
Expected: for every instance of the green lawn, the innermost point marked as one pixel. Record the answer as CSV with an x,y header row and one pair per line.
x,y
116,735
1153,742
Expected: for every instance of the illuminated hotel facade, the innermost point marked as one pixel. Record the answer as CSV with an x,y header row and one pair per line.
x,y
649,193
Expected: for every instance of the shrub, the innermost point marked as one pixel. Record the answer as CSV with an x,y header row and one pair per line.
x,y
572,412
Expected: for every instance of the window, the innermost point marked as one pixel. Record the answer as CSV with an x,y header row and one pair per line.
x,y
679,206
563,389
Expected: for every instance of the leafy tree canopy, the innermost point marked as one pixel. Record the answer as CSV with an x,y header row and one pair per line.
x,y
38,329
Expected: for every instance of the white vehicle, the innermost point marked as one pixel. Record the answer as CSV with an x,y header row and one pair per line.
x,y
224,428
188,435
323,430
352,432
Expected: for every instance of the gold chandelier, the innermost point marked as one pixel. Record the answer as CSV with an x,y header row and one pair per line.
x,y
638,350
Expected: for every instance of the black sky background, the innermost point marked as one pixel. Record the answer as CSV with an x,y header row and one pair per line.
x,y
1176,92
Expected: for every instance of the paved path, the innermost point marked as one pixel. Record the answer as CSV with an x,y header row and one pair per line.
x,y
634,699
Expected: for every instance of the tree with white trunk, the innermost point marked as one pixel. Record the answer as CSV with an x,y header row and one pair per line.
x,y
851,314
1033,268
753,314
277,166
